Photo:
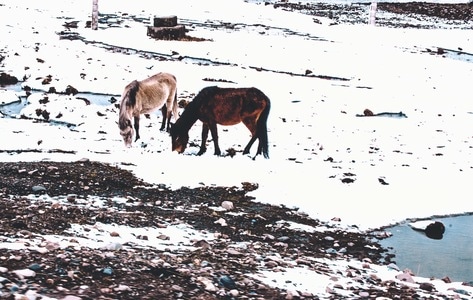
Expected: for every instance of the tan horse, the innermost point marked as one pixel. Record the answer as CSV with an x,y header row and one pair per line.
x,y
146,96
224,106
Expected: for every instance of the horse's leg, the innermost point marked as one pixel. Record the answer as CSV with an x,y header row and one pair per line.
x,y
163,112
172,109
213,131
169,114
137,127
250,123
250,143
205,134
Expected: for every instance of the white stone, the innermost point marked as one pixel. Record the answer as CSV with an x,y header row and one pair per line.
x,y
24,273
228,205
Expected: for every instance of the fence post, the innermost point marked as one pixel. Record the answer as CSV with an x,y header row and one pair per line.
x,y
95,14
372,16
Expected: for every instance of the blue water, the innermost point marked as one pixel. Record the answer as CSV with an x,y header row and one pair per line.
x,y
451,256
15,108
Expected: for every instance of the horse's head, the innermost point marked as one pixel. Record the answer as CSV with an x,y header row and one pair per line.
x,y
126,131
179,139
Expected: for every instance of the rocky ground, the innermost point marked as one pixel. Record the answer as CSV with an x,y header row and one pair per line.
x,y
420,14
215,269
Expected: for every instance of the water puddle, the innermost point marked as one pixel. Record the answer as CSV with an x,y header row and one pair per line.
x,y
13,109
451,256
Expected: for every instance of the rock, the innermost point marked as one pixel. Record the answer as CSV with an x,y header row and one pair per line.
x,y
113,246
163,237
35,267
70,297
271,264
38,189
292,295
71,198
405,277
227,282
347,180
426,286
393,266
447,279
24,273
122,287
221,221
51,246
331,251
6,79
208,284
202,244
107,271
435,230
363,294
228,205
70,90
234,252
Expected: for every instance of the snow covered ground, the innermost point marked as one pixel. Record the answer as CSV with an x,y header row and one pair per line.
x,y
413,167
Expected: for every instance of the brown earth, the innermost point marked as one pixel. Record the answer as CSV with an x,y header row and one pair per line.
x,y
355,13
60,272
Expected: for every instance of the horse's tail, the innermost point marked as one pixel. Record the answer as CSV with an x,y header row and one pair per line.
x,y
262,128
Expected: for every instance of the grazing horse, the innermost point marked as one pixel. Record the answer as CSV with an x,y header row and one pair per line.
x,y
224,106
146,96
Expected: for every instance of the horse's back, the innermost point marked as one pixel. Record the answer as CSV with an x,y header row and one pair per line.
x,y
227,95
240,99
227,106
160,79
156,91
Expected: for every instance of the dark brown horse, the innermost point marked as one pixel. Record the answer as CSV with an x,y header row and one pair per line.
x,y
146,96
224,106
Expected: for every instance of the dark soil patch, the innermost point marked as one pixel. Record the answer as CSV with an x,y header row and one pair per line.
x,y
60,272
356,13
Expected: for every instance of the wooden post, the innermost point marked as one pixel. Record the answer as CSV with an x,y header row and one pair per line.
x,y
95,14
372,16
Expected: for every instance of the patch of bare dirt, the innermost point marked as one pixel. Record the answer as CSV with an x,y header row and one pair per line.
x,y
419,14
142,273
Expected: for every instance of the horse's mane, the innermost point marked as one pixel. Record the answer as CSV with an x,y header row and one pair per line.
x,y
132,89
128,101
190,114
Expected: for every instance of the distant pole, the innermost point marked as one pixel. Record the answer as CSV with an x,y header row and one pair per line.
x,y
95,14
372,17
